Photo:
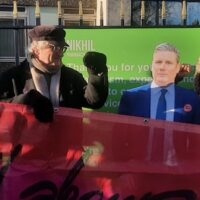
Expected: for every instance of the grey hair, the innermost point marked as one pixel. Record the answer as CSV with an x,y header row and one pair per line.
x,y
168,47
37,44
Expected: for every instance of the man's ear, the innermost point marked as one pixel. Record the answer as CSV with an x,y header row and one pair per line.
x,y
178,68
36,52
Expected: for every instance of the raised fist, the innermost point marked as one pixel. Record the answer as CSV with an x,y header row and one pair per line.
x,y
95,62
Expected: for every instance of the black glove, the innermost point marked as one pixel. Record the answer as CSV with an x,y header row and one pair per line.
x,y
42,106
96,62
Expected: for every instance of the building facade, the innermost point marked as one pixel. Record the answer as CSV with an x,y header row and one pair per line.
x,y
93,13
26,16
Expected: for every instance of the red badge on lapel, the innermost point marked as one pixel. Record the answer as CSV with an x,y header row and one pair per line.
x,y
187,108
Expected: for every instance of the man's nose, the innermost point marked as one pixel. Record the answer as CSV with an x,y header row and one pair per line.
x,y
162,66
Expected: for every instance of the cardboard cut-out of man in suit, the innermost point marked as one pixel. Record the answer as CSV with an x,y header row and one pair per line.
x,y
182,105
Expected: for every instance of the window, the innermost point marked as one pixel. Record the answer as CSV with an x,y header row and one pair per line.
x,y
173,12
150,13
71,17
193,9
76,11
7,36
77,23
7,47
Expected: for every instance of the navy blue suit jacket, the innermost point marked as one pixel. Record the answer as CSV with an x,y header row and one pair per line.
x,y
136,102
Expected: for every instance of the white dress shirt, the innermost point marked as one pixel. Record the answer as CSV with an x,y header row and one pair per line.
x,y
170,101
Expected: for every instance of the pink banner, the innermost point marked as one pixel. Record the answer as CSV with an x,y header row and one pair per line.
x,y
126,157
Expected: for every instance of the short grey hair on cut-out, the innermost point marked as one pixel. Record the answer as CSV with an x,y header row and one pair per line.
x,y
168,47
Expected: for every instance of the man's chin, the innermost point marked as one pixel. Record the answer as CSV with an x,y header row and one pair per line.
x,y
164,83
54,67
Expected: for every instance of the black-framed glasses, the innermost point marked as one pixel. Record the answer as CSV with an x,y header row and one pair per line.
x,y
58,48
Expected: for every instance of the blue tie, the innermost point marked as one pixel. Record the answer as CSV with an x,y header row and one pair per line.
x,y
161,108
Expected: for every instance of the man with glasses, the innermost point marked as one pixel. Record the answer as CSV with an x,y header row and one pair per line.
x,y
43,82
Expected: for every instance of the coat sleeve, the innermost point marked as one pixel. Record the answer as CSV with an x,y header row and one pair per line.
x,y
196,119
8,86
124,106
96,91
78,93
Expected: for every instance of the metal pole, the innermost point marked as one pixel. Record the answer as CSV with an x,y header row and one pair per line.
x,y
184,13
16,33
157,12
131,12
37,13
122,12
163,12
59,13
142,13
80,13
101,14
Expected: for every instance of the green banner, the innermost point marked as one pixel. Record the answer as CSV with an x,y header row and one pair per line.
x,y
129,54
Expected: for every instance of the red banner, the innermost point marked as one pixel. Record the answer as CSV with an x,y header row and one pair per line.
x,y
125,157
